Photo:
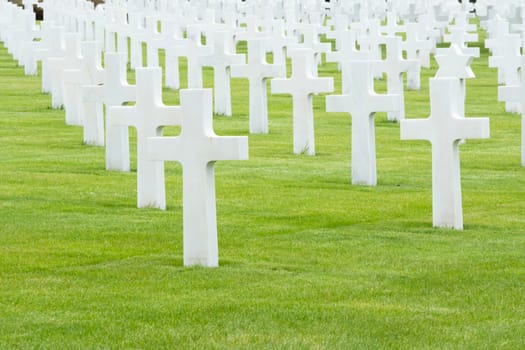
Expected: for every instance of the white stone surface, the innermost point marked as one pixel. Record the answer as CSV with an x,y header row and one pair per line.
x,y
361,102
197,149
303,83
444,129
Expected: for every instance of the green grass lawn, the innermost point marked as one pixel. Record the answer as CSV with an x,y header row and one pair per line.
x,y
308,261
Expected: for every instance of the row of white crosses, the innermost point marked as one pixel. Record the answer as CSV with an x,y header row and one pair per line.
x,y
505,25
506,42
303,83
197,148
444,129
258,111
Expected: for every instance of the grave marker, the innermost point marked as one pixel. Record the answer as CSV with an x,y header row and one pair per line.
x,y
394,66
221,60
416,49
444,129
197,149
516,94
113,91
361,102
149,115
347,53
89,73
195,53
55,48
302,85
71,60
257,70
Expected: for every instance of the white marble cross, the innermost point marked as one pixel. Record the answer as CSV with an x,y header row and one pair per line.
x,y
152,38
71,60
221,61
394,66
362,103
88,73
310,34
347,53
279,42
136,32
115,28
113,91
460,37
416,49
516,94
197,149
302,85
392,27
252,30
341,25
495,40
509,61
444,129
257,70
53,47
155,40
195,52
149,115
40,41
171,65
370,39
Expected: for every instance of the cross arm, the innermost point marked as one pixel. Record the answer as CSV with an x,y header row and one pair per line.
x,y
169,116
72,75
92,93
166,148
382,102
229,148
275,71
122,116
281,85
410,66
496,61
334,56
239,71
337,103
472,128
511,94
321,85
415,129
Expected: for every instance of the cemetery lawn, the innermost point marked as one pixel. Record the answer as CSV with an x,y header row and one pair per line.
x,y
308,261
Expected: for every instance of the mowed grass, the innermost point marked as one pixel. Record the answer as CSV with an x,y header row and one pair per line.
x,y
308,261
